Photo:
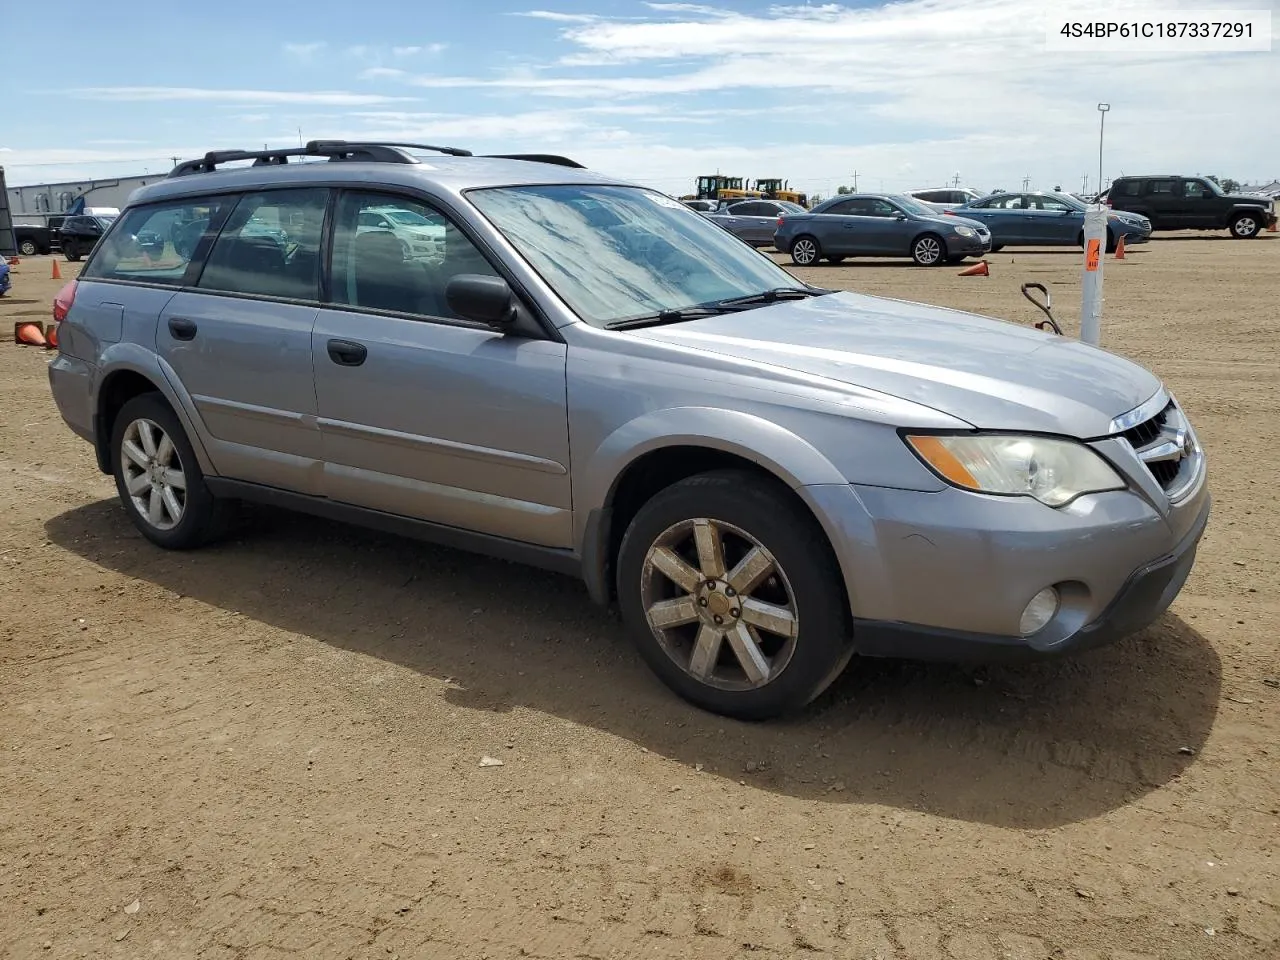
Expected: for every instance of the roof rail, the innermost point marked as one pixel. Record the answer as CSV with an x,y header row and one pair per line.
x,y
335,150
537,158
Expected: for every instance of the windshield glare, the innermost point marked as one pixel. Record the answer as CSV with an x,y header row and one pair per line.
x,y
615,253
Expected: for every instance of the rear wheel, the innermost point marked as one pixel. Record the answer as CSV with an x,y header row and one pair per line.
x,y
70,250
929,250
733,596
1245,226
805,251
158,477
28,248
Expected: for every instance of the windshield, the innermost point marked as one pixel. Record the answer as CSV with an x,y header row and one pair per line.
x,y
105,222
911,205
614,253
790,207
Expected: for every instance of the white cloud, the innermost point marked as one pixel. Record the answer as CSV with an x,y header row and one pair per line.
x,y
939,71
382,73
333,98
555,17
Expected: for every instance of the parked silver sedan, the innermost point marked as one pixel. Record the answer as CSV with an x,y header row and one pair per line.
x,y
754,220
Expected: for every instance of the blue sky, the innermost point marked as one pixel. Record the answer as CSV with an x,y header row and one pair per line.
x,y
907,94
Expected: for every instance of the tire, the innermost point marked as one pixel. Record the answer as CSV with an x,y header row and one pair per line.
x,y
800,590
997,248
952,261
835,261
805,251
71,251
1245,226
199,513
28,248
929,250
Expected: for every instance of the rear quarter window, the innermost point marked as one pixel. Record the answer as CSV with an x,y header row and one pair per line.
x,y
155,243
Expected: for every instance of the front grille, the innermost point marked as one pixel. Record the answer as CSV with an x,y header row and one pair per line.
x,y
1167,448
1148,430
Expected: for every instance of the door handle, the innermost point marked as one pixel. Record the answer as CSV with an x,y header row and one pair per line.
x,y
182,328
346,353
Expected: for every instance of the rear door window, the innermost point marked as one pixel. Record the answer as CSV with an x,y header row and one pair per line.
x,y
270,246
148,244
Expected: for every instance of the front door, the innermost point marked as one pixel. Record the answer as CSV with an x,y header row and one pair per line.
x,y
423,414
1200,206
240,341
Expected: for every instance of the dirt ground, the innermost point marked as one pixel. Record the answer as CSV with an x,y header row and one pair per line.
x,y
270,748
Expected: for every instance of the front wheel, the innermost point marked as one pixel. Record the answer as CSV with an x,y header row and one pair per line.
x,y
28,248
929,250
733,596
1245,226
71,251
158,477
805,251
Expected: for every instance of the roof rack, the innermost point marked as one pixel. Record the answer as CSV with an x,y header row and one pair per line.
x,y
349,151
537,158
335,150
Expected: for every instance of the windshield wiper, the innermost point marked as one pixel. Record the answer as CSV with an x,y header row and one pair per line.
x,y
774,295
667,316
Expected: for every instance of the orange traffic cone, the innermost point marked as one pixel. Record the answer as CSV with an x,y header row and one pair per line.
x,y
51,336
1120,248
28,333
57,273
1274,227
979,269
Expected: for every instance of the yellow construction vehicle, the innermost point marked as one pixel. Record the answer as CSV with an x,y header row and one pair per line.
x,y
775,188
717,187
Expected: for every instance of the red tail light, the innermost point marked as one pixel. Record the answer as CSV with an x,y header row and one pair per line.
x,y
61,307
63,301
950,213
779,219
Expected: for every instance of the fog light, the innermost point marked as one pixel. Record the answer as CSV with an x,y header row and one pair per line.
x,y
1039,611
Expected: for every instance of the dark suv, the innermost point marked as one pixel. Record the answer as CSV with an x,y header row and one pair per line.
x,y
81,234
1191,203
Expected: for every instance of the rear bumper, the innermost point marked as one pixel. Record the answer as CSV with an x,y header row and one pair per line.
x,y
71,383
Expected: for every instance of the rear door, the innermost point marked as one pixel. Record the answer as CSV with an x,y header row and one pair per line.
x,y
757,221
423,414
1003,216
1158,197
240,342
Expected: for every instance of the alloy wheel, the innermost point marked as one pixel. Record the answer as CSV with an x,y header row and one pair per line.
x,y
927,251
1245,227
719,604
153,474
804,252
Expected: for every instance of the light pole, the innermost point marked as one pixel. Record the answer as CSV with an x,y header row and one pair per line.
x,y
1102,126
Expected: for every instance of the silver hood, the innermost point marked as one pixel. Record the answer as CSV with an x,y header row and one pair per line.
x,y
992,374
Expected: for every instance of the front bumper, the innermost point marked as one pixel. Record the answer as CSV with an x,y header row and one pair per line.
x,y
969,246
946,575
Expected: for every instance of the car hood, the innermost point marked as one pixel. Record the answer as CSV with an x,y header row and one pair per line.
x,y
989,373
1248,198
954,218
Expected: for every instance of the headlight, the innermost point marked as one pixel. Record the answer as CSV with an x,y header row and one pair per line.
x,y
963,231
1055,472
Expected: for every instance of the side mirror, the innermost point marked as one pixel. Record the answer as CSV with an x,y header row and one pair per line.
x,y
481,298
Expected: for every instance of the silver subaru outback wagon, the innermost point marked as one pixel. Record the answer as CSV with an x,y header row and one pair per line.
x,y
517,356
